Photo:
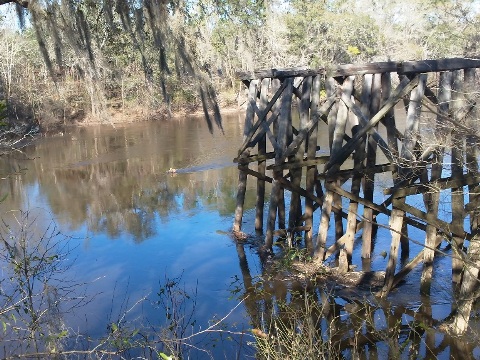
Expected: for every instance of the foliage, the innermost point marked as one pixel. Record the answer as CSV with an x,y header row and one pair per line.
x,y
322,36
3,113
36,295
295,333
76,61
35,291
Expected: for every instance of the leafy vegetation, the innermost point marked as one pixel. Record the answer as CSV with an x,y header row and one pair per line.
x,y
105,60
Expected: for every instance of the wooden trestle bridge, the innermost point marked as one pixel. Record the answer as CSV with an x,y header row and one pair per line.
x,y
416,121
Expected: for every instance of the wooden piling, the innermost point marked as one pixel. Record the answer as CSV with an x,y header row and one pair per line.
x,y
444,97
304,112
370,161
242,175
339,131
262,163
358,157
458,161
312,169
396,223
284,121
405,172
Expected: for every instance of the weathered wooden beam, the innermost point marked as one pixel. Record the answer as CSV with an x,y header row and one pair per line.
x,y
308,126
407,154
352,222
289,186
340,125
368,185
403,88
396,223
278,73
441,225
299,164
437,185
261,118
474,203
262,150
389,121
284,121
255,173
347,173
438,65
367,203
242,175
413,263
469,291
311,142
361,69
412,67
433,198
458,162
331,90
344,114
266,130
254,158
304,113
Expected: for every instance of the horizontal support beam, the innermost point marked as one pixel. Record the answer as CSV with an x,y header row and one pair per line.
x,y
299,164
278,73
412,67
433,186
253,158
347,173
441,225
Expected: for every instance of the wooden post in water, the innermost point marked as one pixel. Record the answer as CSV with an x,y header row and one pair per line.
x,y
405,171
469,286
389,121
330,89
366,99
457,171
304,109
262,150
358,157
369,179
339,132
392,141
284,121
472,145
396,223
444,97
242,175
312,169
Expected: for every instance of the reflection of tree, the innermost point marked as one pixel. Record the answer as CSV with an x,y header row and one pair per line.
x,y
116,180
35,293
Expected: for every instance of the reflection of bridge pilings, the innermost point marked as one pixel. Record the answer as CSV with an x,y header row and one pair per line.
x,y
309,314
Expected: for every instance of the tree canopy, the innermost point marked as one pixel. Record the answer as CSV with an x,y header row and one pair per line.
x,y
95,56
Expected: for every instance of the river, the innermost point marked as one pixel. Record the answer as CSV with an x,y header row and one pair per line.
x,y
136,231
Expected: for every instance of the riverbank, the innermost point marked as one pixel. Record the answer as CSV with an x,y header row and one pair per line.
x,y
138,114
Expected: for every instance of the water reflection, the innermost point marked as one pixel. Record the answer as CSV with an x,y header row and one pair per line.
x,y
315,318
115,180
109,184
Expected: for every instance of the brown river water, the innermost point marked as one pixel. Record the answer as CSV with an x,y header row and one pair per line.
x,y
133,232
